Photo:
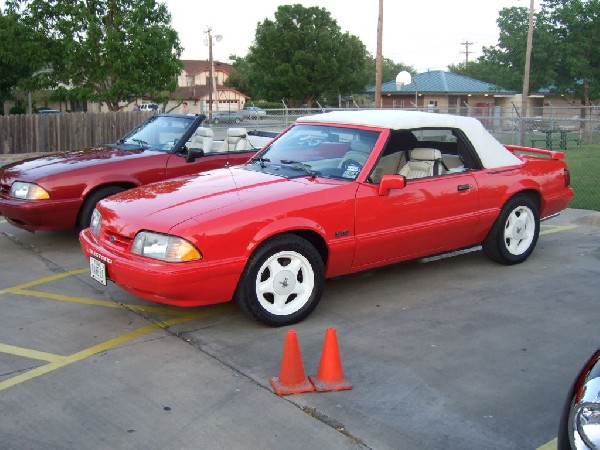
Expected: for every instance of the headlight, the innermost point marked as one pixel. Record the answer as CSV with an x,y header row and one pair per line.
x,y
164,247
95,222
28,191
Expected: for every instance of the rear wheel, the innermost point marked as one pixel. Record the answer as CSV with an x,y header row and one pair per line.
x,y
282,282
85,213
515,233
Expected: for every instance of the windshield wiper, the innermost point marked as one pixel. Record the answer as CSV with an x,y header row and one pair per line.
x,y
262,161
300,166
141,142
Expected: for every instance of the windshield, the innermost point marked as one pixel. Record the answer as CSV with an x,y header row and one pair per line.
x,y
318,150
160,133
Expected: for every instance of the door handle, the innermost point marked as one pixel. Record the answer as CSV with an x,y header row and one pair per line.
x,y
463,187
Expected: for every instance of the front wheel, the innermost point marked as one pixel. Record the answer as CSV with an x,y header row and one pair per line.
x,y
85,213
515,233
282,282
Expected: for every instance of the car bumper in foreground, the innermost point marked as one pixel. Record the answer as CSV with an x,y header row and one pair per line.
x,y
182,284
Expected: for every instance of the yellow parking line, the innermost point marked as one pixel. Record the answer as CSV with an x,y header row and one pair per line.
x,y
28,353
105,303
551,445
22,290
43,280
62,361
556,229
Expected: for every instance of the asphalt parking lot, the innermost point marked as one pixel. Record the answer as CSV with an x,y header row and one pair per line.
x,y
453,353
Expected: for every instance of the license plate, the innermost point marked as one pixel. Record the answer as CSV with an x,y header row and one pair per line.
x,y
98,270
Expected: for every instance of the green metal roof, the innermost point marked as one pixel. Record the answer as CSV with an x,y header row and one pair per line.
x,y
438,81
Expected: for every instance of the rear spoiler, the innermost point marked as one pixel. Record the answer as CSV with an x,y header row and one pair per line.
x,y
536,151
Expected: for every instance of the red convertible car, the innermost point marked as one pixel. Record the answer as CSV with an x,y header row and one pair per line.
x,y
61,191
335,193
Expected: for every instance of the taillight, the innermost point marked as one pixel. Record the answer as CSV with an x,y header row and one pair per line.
x,y
567,177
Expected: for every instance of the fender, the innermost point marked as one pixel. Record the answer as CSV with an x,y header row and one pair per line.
x,y
110,179
283,226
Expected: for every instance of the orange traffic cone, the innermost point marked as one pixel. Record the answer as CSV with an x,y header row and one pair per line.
x,y
330,376
292,379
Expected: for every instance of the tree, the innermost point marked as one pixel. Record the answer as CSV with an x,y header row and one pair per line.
x,y
105,50
565,54
576,24
20,54
504,63
303,55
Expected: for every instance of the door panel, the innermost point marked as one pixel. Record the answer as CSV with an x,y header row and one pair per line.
x,y
428,216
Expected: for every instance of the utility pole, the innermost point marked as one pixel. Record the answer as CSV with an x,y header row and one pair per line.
x,y
211,67
466,52
525,94
379,56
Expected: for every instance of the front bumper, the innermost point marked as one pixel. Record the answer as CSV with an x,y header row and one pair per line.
x,y
40,214
192,283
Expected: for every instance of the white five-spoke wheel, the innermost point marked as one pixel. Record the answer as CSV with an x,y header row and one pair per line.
x,y
514,234
283,281
520,230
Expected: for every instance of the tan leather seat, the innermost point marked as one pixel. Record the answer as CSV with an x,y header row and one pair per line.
x,y
203,138
423,162
237,139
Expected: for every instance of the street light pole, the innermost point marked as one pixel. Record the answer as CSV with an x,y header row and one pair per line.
x,y
211,67
210,72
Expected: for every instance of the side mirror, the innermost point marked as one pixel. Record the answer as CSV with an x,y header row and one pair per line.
x,y
389,182
193,153
580,422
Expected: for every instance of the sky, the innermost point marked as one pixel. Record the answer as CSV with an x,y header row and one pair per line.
x,y
425,34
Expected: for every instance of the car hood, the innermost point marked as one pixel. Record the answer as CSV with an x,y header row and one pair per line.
x,y
41,167
162,206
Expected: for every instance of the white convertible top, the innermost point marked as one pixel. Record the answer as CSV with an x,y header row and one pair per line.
x,y
491,152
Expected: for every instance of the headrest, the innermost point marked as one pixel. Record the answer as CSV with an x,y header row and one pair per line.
x,y
360,146
204,132
237,132
425,154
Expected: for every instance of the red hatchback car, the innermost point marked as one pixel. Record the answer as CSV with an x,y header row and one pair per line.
x,y
336,193
60,191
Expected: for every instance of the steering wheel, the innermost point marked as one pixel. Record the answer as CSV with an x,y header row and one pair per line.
x,y
351,162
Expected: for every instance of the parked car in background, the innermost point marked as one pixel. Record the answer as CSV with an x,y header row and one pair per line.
x,y
60,191
146,107
579,427
47,111
336,193
217,117
253,112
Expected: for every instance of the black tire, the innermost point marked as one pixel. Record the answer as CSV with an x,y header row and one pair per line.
x,y
515,233
85,213
274,294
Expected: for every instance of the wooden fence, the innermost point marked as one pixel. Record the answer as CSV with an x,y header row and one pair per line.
x,y
66,131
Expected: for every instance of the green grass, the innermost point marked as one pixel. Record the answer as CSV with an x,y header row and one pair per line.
x,y
584,165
